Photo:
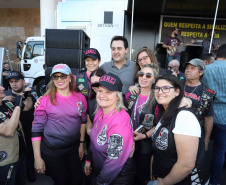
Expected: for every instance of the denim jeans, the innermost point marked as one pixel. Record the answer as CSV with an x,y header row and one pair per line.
x,y
219,149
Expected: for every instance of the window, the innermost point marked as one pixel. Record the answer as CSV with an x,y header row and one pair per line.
x,y
34,49
108,17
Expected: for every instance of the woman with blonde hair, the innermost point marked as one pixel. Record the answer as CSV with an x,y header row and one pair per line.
x,y
111,136
58,129
141,108
144,56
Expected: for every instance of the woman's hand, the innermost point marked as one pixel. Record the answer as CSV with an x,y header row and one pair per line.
x,y
40,165
87,168
81,151
9,98
37,103
185,102
132,152
138,136
134,90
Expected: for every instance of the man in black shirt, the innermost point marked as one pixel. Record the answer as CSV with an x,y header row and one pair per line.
x,y
16,81
6,71
201,96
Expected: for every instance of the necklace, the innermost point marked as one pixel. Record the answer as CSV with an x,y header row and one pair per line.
x,y
193,89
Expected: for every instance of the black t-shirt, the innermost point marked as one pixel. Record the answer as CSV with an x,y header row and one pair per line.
x,y
195,93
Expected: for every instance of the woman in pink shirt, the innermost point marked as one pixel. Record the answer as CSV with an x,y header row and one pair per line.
x,y
58,129
111,136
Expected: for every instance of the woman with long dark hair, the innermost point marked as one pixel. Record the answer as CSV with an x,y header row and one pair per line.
x,y
58,129
179,149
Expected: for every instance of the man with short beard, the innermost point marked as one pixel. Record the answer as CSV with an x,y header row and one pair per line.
x,y
120,65
171,42
16,81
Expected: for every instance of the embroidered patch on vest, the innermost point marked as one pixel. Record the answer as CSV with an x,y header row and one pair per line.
x,y
162,139
3,155
81,80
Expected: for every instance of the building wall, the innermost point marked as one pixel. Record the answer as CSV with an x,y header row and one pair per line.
x,y
88,15
16,24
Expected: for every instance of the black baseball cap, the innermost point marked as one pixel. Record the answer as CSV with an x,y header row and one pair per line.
x,y
111,82
15,75
92,53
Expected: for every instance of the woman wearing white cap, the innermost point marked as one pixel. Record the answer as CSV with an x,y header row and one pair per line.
x,y
111,136
58,129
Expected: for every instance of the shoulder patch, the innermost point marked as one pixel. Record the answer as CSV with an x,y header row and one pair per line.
x,y
115,144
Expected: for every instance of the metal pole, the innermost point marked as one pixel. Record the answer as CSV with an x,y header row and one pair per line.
x,y
131,36
1,63
211,41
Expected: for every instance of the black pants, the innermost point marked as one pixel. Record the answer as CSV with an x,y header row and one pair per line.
x,y
125,177
64,169
142,163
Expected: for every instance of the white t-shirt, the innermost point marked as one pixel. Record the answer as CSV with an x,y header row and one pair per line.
x,y
186,124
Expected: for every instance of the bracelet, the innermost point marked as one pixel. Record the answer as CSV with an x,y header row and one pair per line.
x,y
145,135
82,141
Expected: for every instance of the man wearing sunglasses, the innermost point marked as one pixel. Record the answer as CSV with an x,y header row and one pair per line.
x,y
201,96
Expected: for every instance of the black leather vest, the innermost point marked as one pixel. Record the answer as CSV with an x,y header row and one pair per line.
x,y
165,154
82,84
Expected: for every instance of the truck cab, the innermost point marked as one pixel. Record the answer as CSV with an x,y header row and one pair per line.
x,y
33,62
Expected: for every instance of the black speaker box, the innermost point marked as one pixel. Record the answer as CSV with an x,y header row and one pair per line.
x,y
67,39
161,58
48,71
71,57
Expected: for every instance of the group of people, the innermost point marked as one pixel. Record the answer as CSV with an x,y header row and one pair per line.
x,y
129,122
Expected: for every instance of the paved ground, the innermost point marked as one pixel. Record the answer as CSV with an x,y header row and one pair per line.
x,y
45,180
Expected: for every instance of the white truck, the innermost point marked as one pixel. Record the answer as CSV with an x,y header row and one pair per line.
x,y
33,62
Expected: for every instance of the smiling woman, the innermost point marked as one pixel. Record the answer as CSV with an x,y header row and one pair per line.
x,y
176,141
111,136
82,79
58,130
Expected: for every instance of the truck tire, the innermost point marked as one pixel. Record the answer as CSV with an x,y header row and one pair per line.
x,y
41,87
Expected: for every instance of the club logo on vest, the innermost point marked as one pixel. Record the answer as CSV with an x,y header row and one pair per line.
x,y
162,139
80,108
3,155
148,121
102,136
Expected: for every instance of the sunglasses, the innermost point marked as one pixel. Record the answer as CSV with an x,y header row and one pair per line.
x,y
141,74
56,77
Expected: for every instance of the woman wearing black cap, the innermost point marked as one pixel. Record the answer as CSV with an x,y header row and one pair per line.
x,y
111,136
82,79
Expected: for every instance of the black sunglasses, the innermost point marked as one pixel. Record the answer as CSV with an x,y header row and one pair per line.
x,y
56,77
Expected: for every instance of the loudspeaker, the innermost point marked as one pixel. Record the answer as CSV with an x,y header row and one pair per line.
x,y
161,58
67,39
48,71
66,46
